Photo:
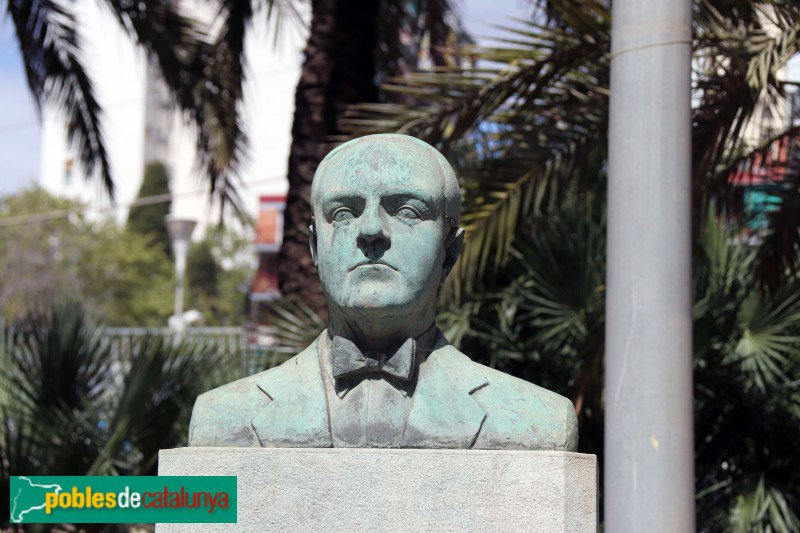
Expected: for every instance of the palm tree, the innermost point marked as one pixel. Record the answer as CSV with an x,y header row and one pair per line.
x,y
69,405
747,371
543,320
527,126
352,45
533,111
351,48
203,72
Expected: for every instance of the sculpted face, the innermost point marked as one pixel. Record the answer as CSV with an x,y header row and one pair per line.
x,y
382,232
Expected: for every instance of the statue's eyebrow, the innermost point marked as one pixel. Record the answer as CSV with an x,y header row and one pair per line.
x,y
403,193
341,197
396,194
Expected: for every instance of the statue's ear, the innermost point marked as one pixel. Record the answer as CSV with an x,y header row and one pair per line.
x,y
312,241
452,249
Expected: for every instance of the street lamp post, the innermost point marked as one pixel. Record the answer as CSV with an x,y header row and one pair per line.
x,y
180,231
649,442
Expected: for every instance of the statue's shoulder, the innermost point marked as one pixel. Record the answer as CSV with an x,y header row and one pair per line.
x,y
519,414
222,416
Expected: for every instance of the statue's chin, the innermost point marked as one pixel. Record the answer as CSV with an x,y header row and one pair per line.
x,y
372,306
378,295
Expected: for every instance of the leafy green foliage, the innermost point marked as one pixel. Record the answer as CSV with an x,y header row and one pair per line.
x,y
148,220
133,284
526,125
294,325
72,406
203,69
747,390
533,112
543,317
219,271
202,271
119,274
762,510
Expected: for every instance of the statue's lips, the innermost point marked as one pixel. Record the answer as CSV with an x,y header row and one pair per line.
x,y
372,264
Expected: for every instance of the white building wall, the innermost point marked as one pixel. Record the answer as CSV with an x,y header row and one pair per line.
x,y
119,70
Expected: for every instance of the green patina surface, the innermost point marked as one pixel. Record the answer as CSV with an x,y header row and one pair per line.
x,y
384,237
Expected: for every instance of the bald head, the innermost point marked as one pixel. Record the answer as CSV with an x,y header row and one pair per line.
x,y
392,152
385,234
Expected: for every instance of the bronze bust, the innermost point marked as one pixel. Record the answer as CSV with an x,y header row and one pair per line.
x,y
384,236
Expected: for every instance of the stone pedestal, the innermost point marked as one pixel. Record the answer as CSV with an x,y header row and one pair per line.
x,y
294,489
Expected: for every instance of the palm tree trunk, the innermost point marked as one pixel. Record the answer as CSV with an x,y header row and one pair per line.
x,y
339,69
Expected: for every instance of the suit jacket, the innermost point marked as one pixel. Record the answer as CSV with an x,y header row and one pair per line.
x,y
457,404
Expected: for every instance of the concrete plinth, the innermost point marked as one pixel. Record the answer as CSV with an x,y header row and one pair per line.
x,y
294,489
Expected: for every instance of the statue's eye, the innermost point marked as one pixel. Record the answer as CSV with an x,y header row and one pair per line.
x,y
408,213
341,214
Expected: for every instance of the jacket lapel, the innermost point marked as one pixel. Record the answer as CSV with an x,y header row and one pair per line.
x,y
444,414
297,415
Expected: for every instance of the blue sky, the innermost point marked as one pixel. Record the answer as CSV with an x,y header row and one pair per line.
x,y
19,121
20,133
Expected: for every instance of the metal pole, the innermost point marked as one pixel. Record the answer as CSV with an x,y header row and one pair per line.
x,y
180,231
179,295
649,453
180,273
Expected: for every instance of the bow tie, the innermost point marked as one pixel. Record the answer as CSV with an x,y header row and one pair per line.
x,y
348,360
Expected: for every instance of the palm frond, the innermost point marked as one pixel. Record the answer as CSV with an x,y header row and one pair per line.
x,y
534,117
73,406
56,361
55,72
739,49
762,510
294,326
282,14
542,98
559,273
770,341
727,256
55,371
211,94
151,411
204,77
411,33
760,334
456,321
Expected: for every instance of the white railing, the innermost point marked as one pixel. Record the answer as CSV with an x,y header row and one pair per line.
x,y
231,342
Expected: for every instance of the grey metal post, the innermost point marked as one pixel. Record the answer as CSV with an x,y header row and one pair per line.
x,y
180,232
649,459
179,275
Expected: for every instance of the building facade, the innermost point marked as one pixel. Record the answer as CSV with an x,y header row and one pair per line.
x,y
140,124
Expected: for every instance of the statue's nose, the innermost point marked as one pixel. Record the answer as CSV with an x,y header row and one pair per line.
x,y
372,229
